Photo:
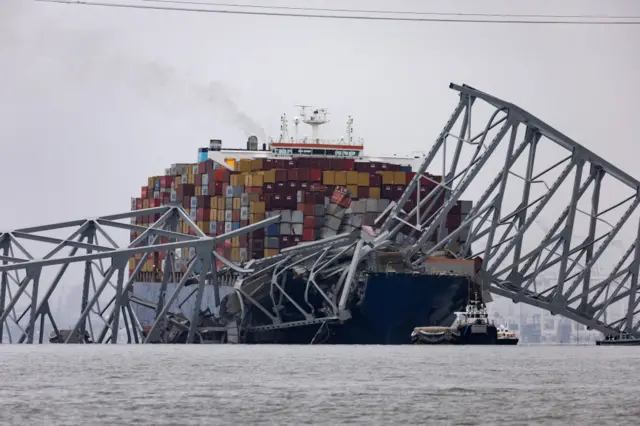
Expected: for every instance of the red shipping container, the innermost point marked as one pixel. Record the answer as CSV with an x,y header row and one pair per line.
x,y
337,164
309,222
166,181
153,203
309,209
222,175
144,192
308,234
363,192
203,214
219,228
280,187
281,175
349,164
268,188
324,163
138,203
292,175
315,175
205,166
204,201
303,175
165,198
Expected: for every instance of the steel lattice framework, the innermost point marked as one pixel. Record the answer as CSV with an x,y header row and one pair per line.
x,y
510,145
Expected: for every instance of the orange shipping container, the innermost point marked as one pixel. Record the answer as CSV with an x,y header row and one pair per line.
x,y
271,252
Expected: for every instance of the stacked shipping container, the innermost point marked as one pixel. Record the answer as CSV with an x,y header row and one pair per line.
x,y
316,197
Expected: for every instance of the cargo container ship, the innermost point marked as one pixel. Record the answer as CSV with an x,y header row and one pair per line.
x,y
320,188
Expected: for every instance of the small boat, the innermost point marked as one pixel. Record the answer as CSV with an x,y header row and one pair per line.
x,y
506,337
622,339
471,327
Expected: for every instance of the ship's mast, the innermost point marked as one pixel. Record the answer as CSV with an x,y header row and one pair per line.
x,y
350,130
317,118
284,128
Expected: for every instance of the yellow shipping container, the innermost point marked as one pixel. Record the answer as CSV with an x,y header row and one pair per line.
x,y
235,254
237,203
191,179
244,165
352,178
271,252
151,182
256,164
221,203
132,263
329,177
399,178
353,189
204,226
213,213
198,191
237,180
270,176
235,242
387,177
341,178
220,217
257,207
374,192
363,179
257,179
256,217
145,203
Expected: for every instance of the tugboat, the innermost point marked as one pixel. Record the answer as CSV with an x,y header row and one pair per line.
x,y
472,327
506,337
622,339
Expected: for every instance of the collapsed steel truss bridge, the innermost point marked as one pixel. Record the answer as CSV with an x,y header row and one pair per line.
x,y
500,166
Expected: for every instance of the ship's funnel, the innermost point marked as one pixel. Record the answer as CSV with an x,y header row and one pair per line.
x,y
215,145
252,143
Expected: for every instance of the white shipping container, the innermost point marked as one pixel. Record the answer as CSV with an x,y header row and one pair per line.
x,y
297,216
133,203
174,196
184,179
228,227
244,199
228,215
286,216
244,213
296,229
285,229
205,179
192,214
194,170
193,202
205,190
372,205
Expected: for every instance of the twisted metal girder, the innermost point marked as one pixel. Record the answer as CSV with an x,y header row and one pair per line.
x,y
511,192
23,304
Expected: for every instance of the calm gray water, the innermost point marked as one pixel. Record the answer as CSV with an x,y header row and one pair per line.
x,y
368,385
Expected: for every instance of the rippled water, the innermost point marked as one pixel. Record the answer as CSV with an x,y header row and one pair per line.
x,y
369,385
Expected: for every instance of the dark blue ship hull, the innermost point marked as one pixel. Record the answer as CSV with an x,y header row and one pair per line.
x,y
392,305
